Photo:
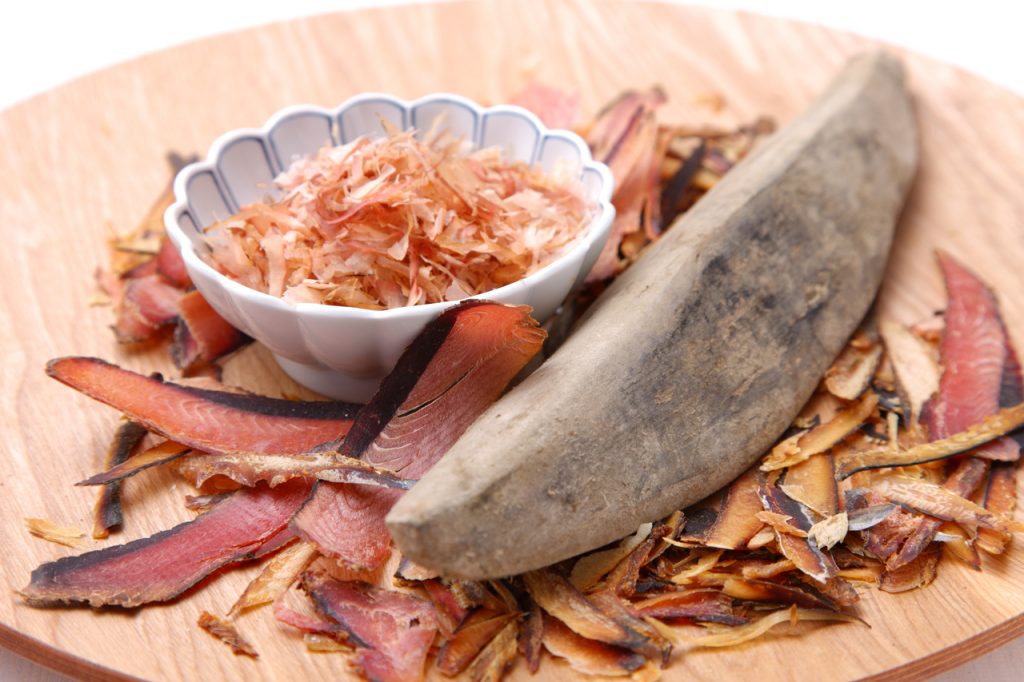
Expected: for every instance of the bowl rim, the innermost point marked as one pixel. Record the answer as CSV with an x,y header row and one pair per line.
x,y
605,210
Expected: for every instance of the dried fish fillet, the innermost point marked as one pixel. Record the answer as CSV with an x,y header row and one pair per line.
x,y
211,421
166,564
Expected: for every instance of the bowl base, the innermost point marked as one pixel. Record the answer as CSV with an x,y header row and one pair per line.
x,y
330,382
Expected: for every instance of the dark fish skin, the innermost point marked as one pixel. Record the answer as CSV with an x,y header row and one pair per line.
x,y
695,360
107,513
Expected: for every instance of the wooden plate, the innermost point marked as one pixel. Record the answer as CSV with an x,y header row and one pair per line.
x,y
89,157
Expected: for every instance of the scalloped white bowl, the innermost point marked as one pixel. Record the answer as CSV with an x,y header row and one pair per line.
x,y
345,352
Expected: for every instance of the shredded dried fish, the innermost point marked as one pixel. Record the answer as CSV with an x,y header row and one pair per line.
x,y
705,562
227,632
48,530
829,532
942,503
862,519
399,220
589,570
781,523
275,578
1003,422
744,633
822,437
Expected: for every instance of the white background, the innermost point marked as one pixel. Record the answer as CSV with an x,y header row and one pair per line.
x,y
43,44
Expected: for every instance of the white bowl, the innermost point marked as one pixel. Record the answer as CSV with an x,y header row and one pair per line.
x,y
345,352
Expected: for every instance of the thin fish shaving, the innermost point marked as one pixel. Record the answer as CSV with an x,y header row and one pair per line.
x,y
400,220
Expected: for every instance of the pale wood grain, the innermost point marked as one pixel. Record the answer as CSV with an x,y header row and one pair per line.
x,y
88,157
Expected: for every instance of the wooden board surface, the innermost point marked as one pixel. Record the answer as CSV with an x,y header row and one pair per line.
x,y
88,158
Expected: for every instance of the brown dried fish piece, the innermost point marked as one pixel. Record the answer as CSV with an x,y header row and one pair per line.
x,y
764,538
623,578
914,367
275,578
845,555
781,523
917,573
838,589
589,569
506,600
667,530
696,563
162,453
863,574
830,531
824,436
762,570
699,522
497,657
657,648
531,638
942,503
227,632
1000,496
472,593
989,429
821,408
700,605
805,554
725,637
469,639
851,373
588,656
813,484
884,538
51,532
737,520
956,543
556,595
768,591
450,613
107,511
676,187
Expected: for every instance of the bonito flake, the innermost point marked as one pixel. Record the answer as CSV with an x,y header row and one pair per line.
x,y
399,220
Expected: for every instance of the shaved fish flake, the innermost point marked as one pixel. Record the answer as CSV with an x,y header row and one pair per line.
x,y
399,220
